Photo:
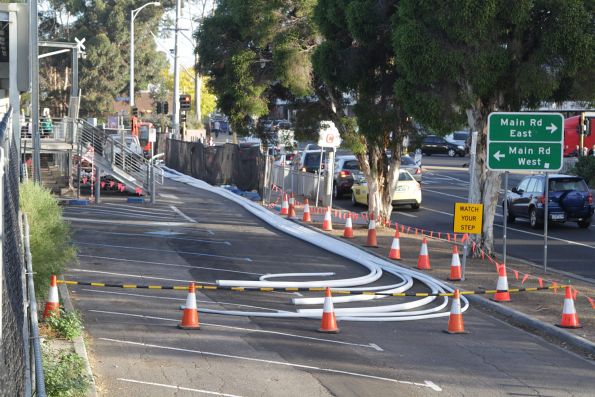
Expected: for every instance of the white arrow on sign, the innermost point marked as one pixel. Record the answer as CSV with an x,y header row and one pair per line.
x,y
499,155
552,128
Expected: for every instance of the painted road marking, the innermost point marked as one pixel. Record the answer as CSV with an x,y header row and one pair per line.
x,y
179,299
524,231
148,209
262,331
183,215
140,223
169,196
168,264
162,250
427,383
162,234
74,211
178,387
445,194
405,214
135,276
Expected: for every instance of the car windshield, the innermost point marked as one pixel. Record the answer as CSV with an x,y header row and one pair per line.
x,y
460,136
558,185
351,165
312,159
405,176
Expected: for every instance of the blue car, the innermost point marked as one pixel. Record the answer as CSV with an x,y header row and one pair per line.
x,y
569,200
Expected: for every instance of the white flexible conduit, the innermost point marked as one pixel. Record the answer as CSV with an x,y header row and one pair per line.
x,y
376,266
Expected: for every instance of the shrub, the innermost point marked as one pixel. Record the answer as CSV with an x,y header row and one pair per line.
x,y
64,374
68,325
50,238
585,168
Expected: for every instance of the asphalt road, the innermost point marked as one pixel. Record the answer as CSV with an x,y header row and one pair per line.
x,y
137,350
446,181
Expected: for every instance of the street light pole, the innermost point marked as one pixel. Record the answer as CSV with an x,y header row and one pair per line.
x,y
175,123
133,15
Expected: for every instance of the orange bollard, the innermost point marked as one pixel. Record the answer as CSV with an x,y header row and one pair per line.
x,y
395,247
423,260
372,241
348,231
52,305
455,266
329,321
307,217
569,316
455,321
502,294
190,316
327,224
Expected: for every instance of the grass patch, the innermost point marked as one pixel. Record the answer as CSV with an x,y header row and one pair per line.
x,y
50,235
64,374
68,325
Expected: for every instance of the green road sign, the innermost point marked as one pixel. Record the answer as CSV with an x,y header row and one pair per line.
x,y
525,141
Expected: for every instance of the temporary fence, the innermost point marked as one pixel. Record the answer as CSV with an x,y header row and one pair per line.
x,y
285,179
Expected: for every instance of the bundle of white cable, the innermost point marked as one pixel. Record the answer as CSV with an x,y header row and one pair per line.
x,y
375,265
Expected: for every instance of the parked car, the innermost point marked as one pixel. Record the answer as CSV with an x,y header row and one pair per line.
x,y
407,163
407,192
433,144
569,200
459,138
310,160
346,167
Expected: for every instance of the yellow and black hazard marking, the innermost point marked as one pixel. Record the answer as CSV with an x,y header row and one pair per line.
x,y
313,289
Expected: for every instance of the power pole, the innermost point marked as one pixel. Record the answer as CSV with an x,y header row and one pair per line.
x,y
176,105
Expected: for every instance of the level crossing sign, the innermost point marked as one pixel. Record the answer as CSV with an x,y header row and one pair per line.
x,y
525,141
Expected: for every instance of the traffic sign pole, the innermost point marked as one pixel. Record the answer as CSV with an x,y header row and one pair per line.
x,y
545,221
505,226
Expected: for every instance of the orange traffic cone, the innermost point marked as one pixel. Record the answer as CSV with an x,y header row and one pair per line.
x,y
502,294
284,206
329,321
395,247
455,267
327,224
348,231
569,316
423,261
455,321
306,217
291,210
371,242
190,316
52,305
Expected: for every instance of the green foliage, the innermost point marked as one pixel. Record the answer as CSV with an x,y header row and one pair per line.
x,y
585,168
255,52
50,238
64,374
67,325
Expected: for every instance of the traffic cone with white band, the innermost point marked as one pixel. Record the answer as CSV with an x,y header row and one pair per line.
x,y
291,210
569,316
502,294
423,261
329,321
52,305
348,231
455,267
455,321
395,247
190,316
306,217
372,241
284,206
327,224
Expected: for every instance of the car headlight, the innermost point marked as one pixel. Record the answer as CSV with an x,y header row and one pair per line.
x,y
461,147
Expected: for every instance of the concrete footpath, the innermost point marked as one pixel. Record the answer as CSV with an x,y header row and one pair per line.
x,y
538,311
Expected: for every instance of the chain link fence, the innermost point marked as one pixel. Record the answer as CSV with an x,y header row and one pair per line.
x,y
12,292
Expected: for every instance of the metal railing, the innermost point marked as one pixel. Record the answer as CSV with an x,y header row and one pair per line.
x,y
300,183
95,142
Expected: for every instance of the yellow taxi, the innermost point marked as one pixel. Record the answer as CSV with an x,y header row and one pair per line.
x,y
408,191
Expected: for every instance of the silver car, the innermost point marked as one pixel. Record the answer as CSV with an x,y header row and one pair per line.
x,y
407,163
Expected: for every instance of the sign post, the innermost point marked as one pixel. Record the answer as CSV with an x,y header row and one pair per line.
x,y
328,137
526,142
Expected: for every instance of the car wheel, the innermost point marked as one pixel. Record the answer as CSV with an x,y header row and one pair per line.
x,y
584,223
510,218
535,224
415,206
451,152
336,194
353,200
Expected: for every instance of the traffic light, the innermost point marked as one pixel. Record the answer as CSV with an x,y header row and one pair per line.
x,y
135,111
585,125
159,107
165,107
182,117
185,102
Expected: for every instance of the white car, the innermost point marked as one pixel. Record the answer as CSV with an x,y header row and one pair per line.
x,y
408,191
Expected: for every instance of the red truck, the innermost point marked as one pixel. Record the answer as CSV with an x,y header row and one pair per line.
x,y
572,137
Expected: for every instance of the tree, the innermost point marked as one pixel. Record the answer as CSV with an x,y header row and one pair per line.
x,y
357,58
467,58
105,72
254,52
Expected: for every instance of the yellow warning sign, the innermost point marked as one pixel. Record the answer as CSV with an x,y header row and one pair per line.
x,y
468,218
